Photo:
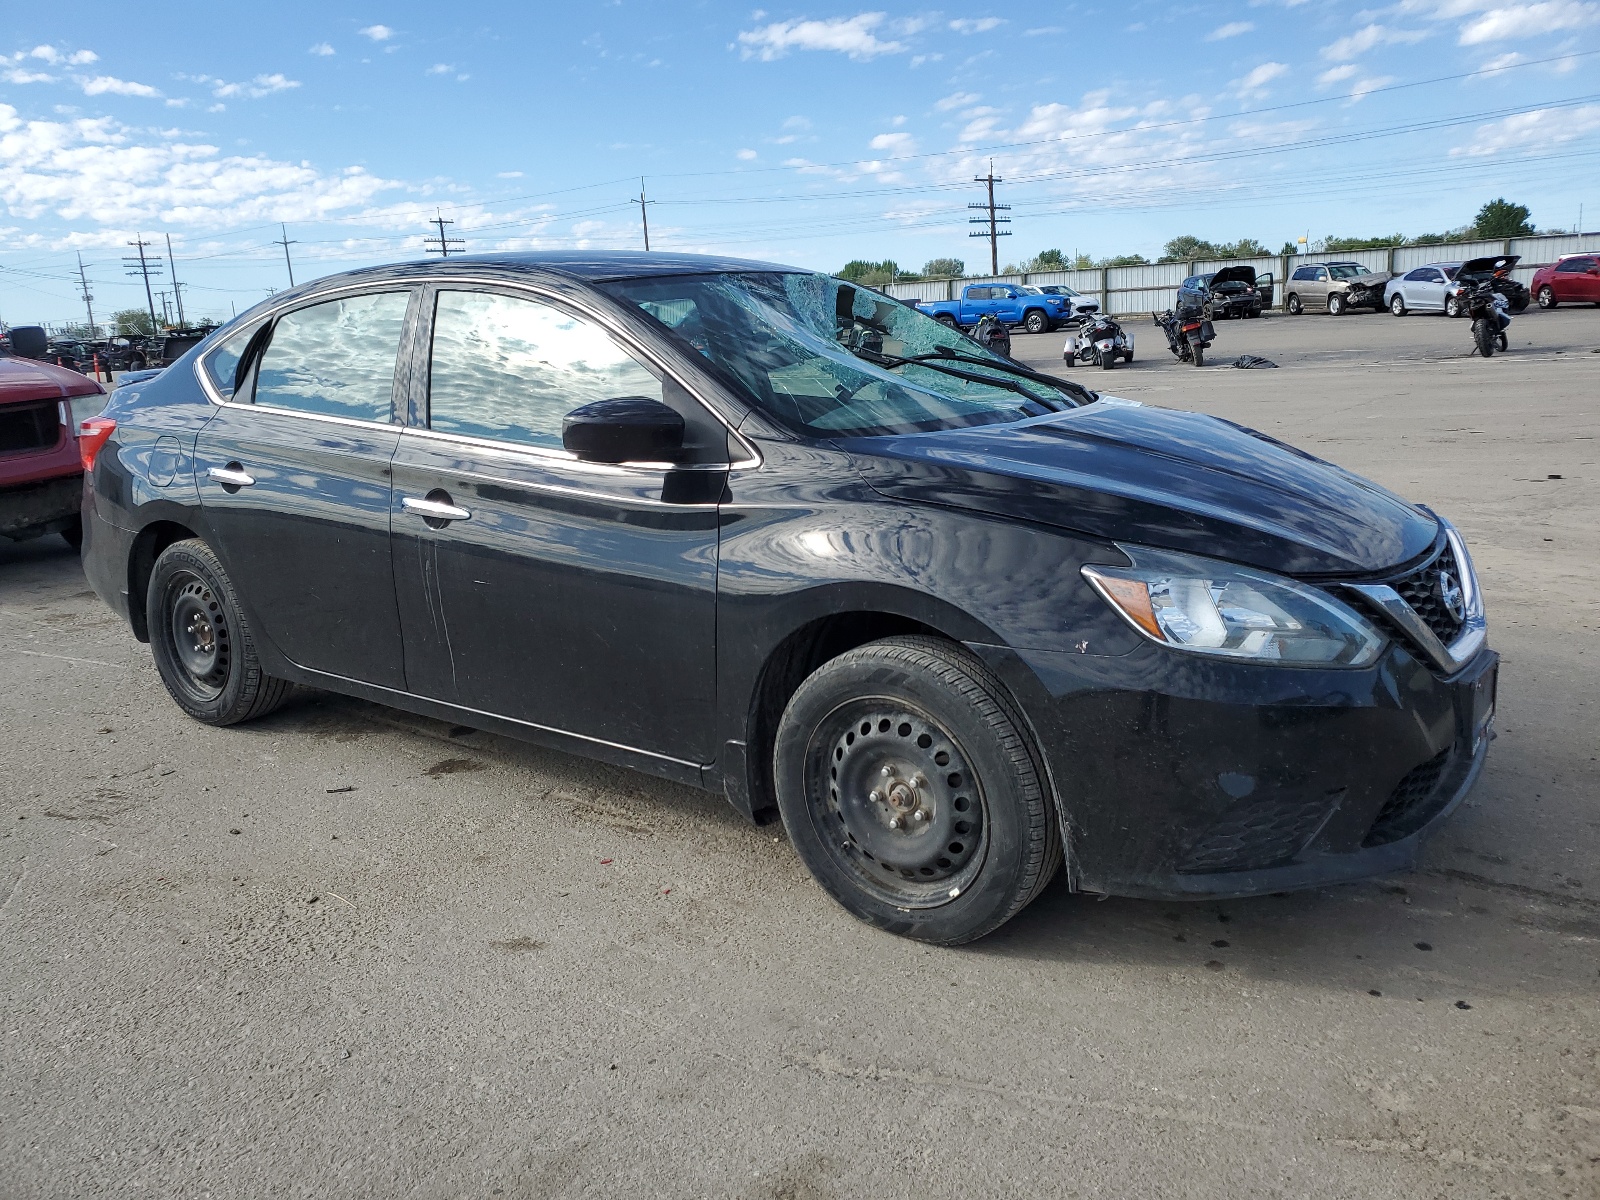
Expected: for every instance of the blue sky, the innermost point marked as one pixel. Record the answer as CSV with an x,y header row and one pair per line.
x,y
804,135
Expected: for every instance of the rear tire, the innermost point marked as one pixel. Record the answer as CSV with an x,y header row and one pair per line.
x,y
1295,307
200,640
946,320
1199,356
1483,337
1108,360
905,726
1547,297
1397,305
72,535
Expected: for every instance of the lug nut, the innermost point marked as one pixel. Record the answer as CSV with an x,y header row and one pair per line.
x,y
919,815
876,797
888,771
896,823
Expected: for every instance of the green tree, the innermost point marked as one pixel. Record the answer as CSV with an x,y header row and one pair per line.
x,y
1047,260
1290,248
944,268
1502,219
1186,247
132,322
1124,260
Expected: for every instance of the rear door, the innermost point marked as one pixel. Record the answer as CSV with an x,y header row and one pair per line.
x,y
978,302
294,485
571,596
1573,282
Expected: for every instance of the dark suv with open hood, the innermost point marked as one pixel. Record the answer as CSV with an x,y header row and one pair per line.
x,y
1233,292
764,532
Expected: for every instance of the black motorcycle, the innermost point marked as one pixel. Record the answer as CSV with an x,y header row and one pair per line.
x,y
1489,309
992,334
1189,333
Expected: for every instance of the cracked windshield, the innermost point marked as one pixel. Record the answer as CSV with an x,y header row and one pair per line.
x,y
834,360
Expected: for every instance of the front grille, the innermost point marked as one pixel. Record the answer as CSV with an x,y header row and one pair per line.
x,y
1423,591
25,427
1410,805
1257,832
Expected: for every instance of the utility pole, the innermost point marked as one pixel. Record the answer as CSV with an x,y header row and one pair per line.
x,y
442,245
166,309
994,232
88,300
644,217
145,267
286,243
177,290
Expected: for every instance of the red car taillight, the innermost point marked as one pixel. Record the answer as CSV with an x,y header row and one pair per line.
x,y
93,434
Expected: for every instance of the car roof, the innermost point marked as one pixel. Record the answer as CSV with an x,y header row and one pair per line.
x,y
590,265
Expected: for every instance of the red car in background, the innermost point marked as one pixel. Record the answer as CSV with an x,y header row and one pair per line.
x,y
1571,279
42,408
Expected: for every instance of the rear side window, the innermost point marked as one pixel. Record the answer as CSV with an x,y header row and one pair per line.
x,y
336,358
1575,265
510,369
223,362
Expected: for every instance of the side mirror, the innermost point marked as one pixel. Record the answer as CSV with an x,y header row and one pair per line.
x,y
29,341
626,429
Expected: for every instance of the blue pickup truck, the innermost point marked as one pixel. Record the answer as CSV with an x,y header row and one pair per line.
x,y
1035,309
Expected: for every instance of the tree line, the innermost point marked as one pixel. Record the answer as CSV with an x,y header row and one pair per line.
x,y
1497,219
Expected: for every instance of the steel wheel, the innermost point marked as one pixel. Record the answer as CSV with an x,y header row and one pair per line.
x,y
200,642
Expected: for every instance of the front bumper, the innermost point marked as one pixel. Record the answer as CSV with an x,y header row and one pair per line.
x,y
1182,777
43,506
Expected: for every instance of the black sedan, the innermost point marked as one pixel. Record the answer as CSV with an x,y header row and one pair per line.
x,y
764,532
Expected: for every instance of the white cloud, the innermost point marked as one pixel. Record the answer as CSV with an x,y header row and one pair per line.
x,y
854,36
1334,75
508,175
378,33
1529,20
1541,128
1370,84
49,54
1231,29
976,24
1369,37
261,85
746,155
102,85
321,50
20,75
897,144
1258,78
957,100
95,171
440,69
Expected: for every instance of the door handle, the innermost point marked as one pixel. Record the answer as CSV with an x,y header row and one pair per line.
x,y
434,510
231,476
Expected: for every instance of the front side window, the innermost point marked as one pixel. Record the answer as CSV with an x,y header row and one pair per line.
x,y
336,358
511,369
833,360
1322,274
1305,273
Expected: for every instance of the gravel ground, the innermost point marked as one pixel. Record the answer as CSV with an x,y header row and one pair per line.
x,y
347,952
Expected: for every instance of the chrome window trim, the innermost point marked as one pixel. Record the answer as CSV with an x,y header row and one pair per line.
x,y
583,493
752,456
553,457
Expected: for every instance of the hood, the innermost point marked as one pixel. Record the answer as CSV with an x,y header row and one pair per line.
x,y
1157,477
24,379
1487,266
1244,275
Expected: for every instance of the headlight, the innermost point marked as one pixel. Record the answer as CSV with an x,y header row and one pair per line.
x,y
1209,607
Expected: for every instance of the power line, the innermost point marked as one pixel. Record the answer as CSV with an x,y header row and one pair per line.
x,y
994,222
442,245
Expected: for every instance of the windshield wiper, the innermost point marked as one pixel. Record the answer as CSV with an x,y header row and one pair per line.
x,y
1010,385
1076,389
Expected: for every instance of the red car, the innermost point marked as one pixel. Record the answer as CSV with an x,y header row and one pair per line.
x,y
41,475
1571,279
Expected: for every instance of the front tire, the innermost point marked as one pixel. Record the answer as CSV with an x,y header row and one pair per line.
x,y
1295,307
1452,306
1397,305
1335,304
200,640
1036,322
912,792
1547,297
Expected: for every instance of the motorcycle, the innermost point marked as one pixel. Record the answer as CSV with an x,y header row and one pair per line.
x,y
1188,335
992,334
1099,339
1491,317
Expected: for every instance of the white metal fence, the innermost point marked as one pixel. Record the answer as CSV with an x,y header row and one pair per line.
x,y
1123,290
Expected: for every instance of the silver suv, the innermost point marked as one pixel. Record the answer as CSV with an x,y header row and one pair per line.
x,y
1334,287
